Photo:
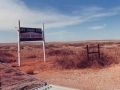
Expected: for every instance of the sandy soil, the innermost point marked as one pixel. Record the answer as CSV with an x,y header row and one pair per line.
x,y
86,79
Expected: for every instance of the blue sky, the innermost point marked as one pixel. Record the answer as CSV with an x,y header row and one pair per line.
x,y
65,20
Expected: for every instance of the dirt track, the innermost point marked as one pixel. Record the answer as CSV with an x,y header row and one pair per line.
x,y
87,79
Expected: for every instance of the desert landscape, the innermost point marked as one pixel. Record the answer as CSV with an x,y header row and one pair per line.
x,y
67,63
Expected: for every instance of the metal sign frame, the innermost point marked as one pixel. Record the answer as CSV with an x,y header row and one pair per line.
x,y
40,37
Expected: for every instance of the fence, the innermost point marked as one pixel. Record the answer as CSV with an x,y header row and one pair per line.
x,y
88,52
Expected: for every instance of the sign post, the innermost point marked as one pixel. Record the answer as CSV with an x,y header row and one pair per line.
x,y
44,43
19,61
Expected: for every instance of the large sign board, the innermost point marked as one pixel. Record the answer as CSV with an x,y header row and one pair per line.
x,y
30,34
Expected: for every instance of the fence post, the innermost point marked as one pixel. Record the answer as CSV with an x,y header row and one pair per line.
x,y
99,50
0,78
87,52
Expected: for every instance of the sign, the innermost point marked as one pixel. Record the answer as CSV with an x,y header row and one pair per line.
x,y
31,34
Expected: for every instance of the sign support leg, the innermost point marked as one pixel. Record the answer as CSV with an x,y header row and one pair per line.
x,y
44,44
19,62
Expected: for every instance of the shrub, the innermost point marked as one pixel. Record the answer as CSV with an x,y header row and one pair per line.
x,y
29,71
68,59
78,59
32,56
6,57
7,60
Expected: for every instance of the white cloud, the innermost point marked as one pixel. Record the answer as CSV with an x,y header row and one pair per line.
x,y
97,27
95,13
13,10
59,33
91,10
61,36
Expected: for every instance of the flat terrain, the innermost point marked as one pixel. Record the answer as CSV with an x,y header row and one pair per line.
x,y
95,77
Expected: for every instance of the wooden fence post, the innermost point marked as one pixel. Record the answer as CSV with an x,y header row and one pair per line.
x,y
99,50
0,78
87,52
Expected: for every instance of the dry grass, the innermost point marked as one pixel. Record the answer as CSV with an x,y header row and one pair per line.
x,y
65,55
70,59
6,57
8,71
32,56
74,55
